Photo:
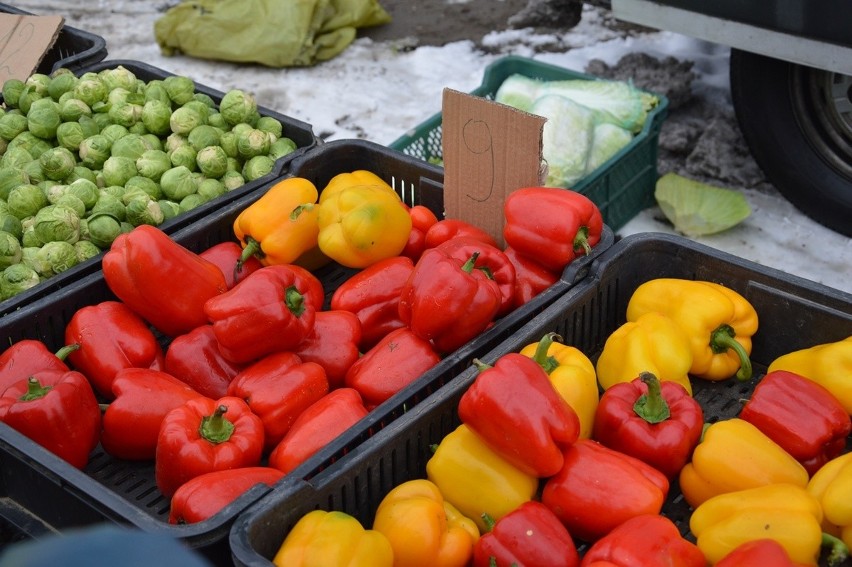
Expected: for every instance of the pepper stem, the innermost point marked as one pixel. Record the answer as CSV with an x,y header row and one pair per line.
x,y
549,363
480,366
839,551
581,240
652,407
295,301
34,390
722,339
252,248
469,265
294,214
488,520
63,353
215,428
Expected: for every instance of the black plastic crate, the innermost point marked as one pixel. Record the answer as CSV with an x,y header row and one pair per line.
x,y
73,47
300,132
794,314
43,493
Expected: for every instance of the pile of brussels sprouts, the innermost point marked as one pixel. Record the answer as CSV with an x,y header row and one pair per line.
x,y
83,159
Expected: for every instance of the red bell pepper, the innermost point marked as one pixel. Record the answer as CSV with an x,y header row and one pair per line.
x,y
397,360
226,255
656,422
515,409
492,260
56,409
551,226
646,540
530,535
446,229
422,219
316,427
28,356
111,337
163,282
447,300
205,435
530,278
801,416
758,552
267,312
599,488
142,398
195,359
333,344
373,296
278,388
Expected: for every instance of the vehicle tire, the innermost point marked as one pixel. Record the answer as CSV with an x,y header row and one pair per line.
x,y
797,122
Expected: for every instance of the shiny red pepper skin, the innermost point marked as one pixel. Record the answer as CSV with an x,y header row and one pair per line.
x,y
225,255
269,311
515,409
598,489
373,296
163,282
111,337
666,441
448,300
422,219
316,427
446,229
195,359
490,259
551,226
530,535
205,435
204,496
397,360
278,388
530,278
801,416
647,540
142,398
56,409
333,344
756,553
29,356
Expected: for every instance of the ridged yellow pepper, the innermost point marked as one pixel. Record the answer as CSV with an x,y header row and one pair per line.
x,y
652,343
423,528
281,225
828,364
333,539
734,455
785,513
572,375
718,321
352,179
832,486
362,224
475,479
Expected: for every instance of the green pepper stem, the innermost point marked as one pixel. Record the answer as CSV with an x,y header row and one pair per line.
x,y
295,301
652,407
103,407
581,240
34,390
294,214
215,428
469,265
63,353
252,248
480,366
839,551
721,340
488,520
549,363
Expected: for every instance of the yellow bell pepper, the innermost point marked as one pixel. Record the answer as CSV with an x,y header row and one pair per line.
x,y
785,513
281,225
333,539
475,479
572,375
734,455
362,224
424,529
828,364
352,179
652,343
718,322
832,486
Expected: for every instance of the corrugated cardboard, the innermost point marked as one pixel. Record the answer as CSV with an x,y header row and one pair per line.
x,y
24,41
490,149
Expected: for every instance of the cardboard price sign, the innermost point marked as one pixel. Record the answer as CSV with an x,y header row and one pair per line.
x,y
24,41
490,150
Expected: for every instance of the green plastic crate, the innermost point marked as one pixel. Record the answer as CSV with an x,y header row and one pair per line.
x,y
621,187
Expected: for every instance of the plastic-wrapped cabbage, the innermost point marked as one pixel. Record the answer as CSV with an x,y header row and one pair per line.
x,y
617,102
698,209
607,140
518,91
566,138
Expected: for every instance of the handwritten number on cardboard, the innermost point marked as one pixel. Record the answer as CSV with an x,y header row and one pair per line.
x,y
478,140
22,35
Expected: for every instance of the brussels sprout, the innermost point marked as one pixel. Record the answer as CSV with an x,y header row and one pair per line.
x,y
85,250
155,116
26,200
10,249
149,187
16,279
116,191
11,125
48,184
94,151
34,145
131,193
228,142
170,209
73,202
125,113
212,161
180,89
235,164
241,128
43,121
61,82
281,147
209,189
90,126
69,135
38,82
257,167
107,204
72,109
90,91
102,120
144,211
216,120
206,99
252,143
28,235
12,89
237,106
58,256
190,202
54,192
118,169
26,99
177,183
185,156
271,125
55,223
11,224
154,90
103,229
84,189
118,78
202,109
153,142
153,163
204,135
130,146
31,258
138,129
174,141
34,171
114,132
233,180
57,163
184,119
15,157
11,177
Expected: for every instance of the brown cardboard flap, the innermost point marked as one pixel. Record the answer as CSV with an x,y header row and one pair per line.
x,y
490,149
24,41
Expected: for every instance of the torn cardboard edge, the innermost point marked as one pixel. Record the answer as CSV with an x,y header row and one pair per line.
x,y
489,150
24,41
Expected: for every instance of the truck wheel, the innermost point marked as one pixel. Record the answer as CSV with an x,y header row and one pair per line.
x,y
797,121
